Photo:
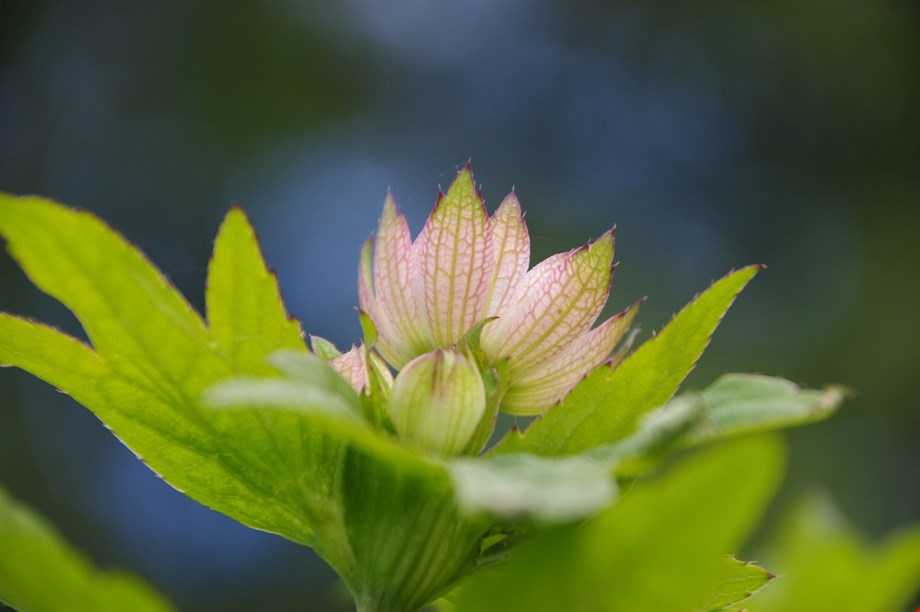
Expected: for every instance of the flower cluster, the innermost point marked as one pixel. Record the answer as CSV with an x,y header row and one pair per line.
x,y
467,273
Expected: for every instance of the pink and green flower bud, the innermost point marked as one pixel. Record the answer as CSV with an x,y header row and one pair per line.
x,y
466,267
437,402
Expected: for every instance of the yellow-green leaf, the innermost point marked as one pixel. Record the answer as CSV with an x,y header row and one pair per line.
x,y
246,316
154,358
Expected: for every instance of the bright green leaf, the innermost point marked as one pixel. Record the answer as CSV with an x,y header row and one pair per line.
x,y
63,361
274,462
607,405
316,398
133,317
154,358
737,581
657,433
40,572
660,548
246,316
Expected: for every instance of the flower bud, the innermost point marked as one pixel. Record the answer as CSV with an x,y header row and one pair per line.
x,y
437,402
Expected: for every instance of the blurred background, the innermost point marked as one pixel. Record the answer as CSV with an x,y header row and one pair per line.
x,y
713,134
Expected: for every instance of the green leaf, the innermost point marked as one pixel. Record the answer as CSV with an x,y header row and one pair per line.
x,y
744,403
317,398
285,453
607,405
407,534
520,485
310,387
40,571
737,581
824,564
63,361
403,538
661,548
154,358
246,316
736,404
563,489
133,317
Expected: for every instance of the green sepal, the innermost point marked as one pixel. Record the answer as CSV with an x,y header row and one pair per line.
x,y
471,340
367,328
374,399
495,381
324,349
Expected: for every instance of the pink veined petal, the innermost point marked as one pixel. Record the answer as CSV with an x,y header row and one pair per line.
x,y
390,341
366,298
559,302
352,368
511,248
395,270
454,255
535,390
495,335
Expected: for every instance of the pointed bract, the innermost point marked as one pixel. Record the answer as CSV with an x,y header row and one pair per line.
x,y
560,302
395,276
454,253
352,368
511,244
539,388
324,349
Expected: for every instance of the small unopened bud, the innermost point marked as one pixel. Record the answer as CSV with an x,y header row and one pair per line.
x,y
437,402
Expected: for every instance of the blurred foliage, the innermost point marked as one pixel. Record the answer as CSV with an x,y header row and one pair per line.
x,y
39,571
826,565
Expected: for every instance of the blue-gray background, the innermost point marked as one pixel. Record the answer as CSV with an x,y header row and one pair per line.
x,y
713,134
